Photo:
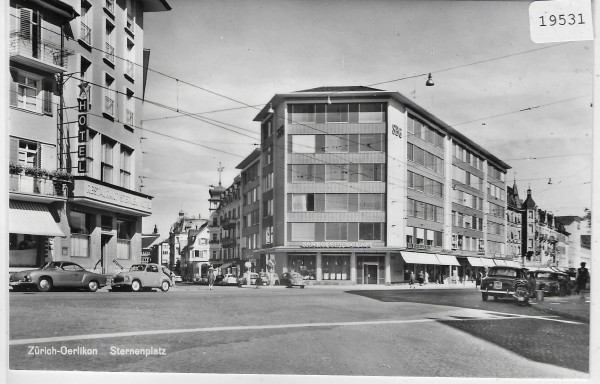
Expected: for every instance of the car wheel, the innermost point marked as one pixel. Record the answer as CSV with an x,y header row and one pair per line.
x,y
302,286
165,286
277,282
44,284
496,297
136,286
93,286
484,296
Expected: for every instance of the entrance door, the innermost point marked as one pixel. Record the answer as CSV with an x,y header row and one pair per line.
x,y
370,273
104,253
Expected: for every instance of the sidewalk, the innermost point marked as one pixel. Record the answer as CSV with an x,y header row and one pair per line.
x,y
572,307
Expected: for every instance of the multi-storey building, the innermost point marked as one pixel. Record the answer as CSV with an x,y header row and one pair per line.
x,y
514,217
195,254
178,237
229,212
579,249
367,186
37,189
214,227
252,196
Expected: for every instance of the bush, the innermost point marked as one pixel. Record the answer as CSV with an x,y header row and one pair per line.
x,y
15,168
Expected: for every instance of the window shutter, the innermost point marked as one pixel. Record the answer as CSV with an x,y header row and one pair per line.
x,y
14,150
25,23
47,102
13,88
47,156
38,156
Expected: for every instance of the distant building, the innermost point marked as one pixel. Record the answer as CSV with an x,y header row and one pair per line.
x,y
579,249
196,253
178,237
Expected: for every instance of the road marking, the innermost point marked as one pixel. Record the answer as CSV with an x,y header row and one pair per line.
x,y
549,318
260,327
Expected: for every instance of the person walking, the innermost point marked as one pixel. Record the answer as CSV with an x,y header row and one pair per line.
x,y
582,278
421,278
478,280
411,282
211,277
426,277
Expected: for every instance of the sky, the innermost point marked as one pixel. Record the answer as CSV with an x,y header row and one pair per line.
x,y
528,104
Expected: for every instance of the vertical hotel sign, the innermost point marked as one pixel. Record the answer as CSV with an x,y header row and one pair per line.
x,y
82,133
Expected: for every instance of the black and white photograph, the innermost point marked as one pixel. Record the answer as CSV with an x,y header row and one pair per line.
x,y
292,191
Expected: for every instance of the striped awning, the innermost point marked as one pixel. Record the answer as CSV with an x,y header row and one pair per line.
x,y
419,258
488,262
226,265
29,218
475,262
447,259
512,263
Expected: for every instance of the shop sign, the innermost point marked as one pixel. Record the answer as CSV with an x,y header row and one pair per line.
x,y
328,244
82,107
418,246
110,195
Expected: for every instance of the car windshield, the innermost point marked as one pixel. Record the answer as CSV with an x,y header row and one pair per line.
x,y
51,265
502,272
137,267
543,275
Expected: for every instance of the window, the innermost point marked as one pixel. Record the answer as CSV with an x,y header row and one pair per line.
x,y
303,232
269,235
268,208
336,202
303,144
130,16
267,129
85,73
370,142
124,235
371,113
85,34
109,95
302,113
370,202
126,166
426,211
107,160
109,5
336,172
129,108
28,153
372,231
336,143
27,93
302,173
336,231
268,155
371,172
129,61
268,182
109,43
81,227
303,202
336,113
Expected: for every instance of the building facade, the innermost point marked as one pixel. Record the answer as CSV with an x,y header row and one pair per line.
x,y
178,238
367,187
196,253
37,189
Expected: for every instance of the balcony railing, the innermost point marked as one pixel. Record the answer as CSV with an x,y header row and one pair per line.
x,y
37,186
227,241
86,34
109,106
228,223
109,53
129,69
129,118
43,54
130,23
110,5
213,241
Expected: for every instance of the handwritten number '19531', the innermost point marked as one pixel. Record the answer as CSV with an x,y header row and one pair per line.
x,y
570,19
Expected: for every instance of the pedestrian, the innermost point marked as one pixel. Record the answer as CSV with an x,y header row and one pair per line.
x,y
426,277
582,278
211,277
411,282
478,280
421,278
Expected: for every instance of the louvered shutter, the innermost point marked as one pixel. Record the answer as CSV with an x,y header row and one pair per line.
x,y
13,88
47,95
25,23
14,150
47,156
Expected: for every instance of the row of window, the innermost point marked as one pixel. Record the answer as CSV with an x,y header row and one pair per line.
x,y
462,220
425,211
336,113
466,199
425,132
336,231
416,237
496,191
108,163
310,173
495,247
496,210
336,202
425,158
251,219
424,184
467,156
495,173
371,142
30,92
467,178
466,243
251,196
495,228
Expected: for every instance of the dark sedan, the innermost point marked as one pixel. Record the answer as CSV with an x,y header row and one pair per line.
x,y
501,282
552,283
64,274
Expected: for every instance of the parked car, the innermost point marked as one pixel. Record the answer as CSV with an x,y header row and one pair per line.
x,y
502,282
229,279
292,279
177,278
57,274
253,278
143,276
219,279
269,278
552,283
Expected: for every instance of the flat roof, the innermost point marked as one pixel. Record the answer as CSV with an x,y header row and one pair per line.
x,y
412,106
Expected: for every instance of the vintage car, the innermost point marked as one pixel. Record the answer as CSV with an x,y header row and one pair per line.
x,y
292,279
143,276
57,274
269,278
253,278
229,279
502,282
551,282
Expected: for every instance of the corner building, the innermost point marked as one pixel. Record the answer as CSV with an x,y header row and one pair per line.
x,y
366,186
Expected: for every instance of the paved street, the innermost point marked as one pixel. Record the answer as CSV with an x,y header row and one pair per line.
x,y
324,331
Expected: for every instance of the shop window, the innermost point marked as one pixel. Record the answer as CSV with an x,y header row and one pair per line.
x,y
23,250
81,228
303,264
125,232
335,267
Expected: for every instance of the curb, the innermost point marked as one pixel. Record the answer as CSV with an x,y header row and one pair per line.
x,y
585,319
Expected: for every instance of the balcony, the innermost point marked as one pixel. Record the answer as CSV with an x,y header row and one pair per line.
x,y
214,241
109,106
110,6
130,23
109,53
86,34
129,69
228,223
41,54
128,118
227,242
32,188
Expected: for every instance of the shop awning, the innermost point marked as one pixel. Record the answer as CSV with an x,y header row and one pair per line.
x,y
447,259
475,262
32,219
488,262
419,258
500,263
512,263
226,265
